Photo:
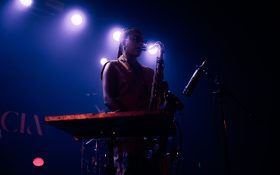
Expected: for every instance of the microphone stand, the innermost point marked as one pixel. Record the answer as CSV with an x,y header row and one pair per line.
x,y
220,94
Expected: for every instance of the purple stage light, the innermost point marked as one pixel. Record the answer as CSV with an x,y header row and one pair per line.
x,y
25,3
103,60
117,35
76,19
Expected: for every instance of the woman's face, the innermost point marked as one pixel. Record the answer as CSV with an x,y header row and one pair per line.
x,y
133,44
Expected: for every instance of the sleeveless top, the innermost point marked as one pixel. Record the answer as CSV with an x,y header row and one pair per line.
x,y
126,87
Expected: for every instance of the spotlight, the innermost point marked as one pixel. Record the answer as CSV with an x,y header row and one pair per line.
x,y
76,19
25,3
38,161
103,61
117,35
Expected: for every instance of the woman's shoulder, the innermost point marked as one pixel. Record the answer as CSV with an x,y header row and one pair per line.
x,y
110,64
108,67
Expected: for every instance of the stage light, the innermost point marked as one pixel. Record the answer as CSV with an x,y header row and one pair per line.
x,y
76,19
113,39
38,162
103,61
117,35
25,3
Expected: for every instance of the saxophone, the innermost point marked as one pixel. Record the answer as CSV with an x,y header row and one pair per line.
x,y
159,88
161,97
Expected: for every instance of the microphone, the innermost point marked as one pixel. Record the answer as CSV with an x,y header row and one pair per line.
x,y
194,79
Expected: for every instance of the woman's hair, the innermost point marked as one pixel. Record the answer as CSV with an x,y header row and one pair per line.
x,y
125,33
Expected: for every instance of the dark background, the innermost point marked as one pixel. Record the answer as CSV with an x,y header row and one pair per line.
x,y
44,72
